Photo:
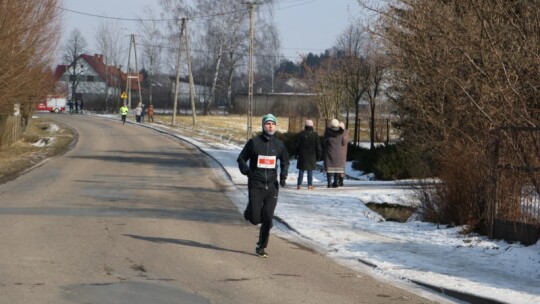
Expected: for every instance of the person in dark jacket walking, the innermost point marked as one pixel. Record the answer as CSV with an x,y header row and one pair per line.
x,y
309,151
143,111
263,153
81,105
333,143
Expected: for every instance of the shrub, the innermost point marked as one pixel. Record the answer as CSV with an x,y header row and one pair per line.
x,y
363,159
457,195
388,162
391,164
289,139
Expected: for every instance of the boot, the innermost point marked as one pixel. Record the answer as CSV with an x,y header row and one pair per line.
x,y
335,183
329,179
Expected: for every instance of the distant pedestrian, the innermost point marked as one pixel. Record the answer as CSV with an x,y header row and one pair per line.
x,y
76,106
143,111
309,151
333,143
70,105
81,105
263,152
345,147
150,113
138,112
124,110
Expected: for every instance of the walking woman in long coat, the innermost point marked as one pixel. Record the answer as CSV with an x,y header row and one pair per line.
x,y
309,151
346,139
334,161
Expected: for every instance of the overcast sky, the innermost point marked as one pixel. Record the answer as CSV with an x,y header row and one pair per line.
x,y
304,25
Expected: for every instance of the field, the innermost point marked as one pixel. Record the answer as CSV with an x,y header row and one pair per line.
x,y
232,128
228,128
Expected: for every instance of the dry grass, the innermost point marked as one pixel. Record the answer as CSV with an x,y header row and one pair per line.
x,y
23,155
230,128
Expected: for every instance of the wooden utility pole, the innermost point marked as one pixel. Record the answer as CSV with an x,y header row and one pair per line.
x,y
191,84
177,85
128,81
249,106
137,69
129,70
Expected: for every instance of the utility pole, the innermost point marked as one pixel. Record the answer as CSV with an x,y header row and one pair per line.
x,y
249,106
191,84
129,76
137,68
128,81
176,86
106,84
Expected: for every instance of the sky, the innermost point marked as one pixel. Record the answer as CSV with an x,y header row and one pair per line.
x,y
337,223
304,25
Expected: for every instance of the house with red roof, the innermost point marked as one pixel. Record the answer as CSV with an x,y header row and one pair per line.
x,y
98,84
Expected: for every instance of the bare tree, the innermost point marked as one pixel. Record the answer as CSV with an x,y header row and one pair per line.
x,y
267,44
222,35
215,39
326,81
460,69
353,66
375,76
28,37
111,43
151,38
74,47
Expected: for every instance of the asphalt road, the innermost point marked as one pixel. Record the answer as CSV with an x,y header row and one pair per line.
x,y
133,216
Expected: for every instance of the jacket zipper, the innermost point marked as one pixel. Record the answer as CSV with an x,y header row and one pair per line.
x,y
266,170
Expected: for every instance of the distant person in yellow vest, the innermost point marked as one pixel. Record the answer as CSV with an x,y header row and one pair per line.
x,y
124,112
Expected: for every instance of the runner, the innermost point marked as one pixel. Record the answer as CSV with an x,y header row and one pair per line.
x,y
263,152
124,112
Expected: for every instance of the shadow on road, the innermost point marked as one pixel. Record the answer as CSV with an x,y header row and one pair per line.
x,y
189,243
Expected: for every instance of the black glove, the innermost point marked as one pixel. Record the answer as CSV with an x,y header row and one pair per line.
x,y
282,182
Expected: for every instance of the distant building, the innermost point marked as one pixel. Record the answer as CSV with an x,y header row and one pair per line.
x,y
184,99
288,97
97,82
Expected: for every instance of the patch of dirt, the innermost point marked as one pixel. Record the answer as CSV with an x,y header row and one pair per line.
x,y
43,139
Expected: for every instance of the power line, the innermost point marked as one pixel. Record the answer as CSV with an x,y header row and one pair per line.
x,y
243,54
294,3
151,20
300,3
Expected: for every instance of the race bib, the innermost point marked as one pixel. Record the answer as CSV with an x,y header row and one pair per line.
x,y
266,162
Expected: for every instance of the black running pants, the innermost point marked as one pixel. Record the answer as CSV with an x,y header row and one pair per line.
x,y
260,209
